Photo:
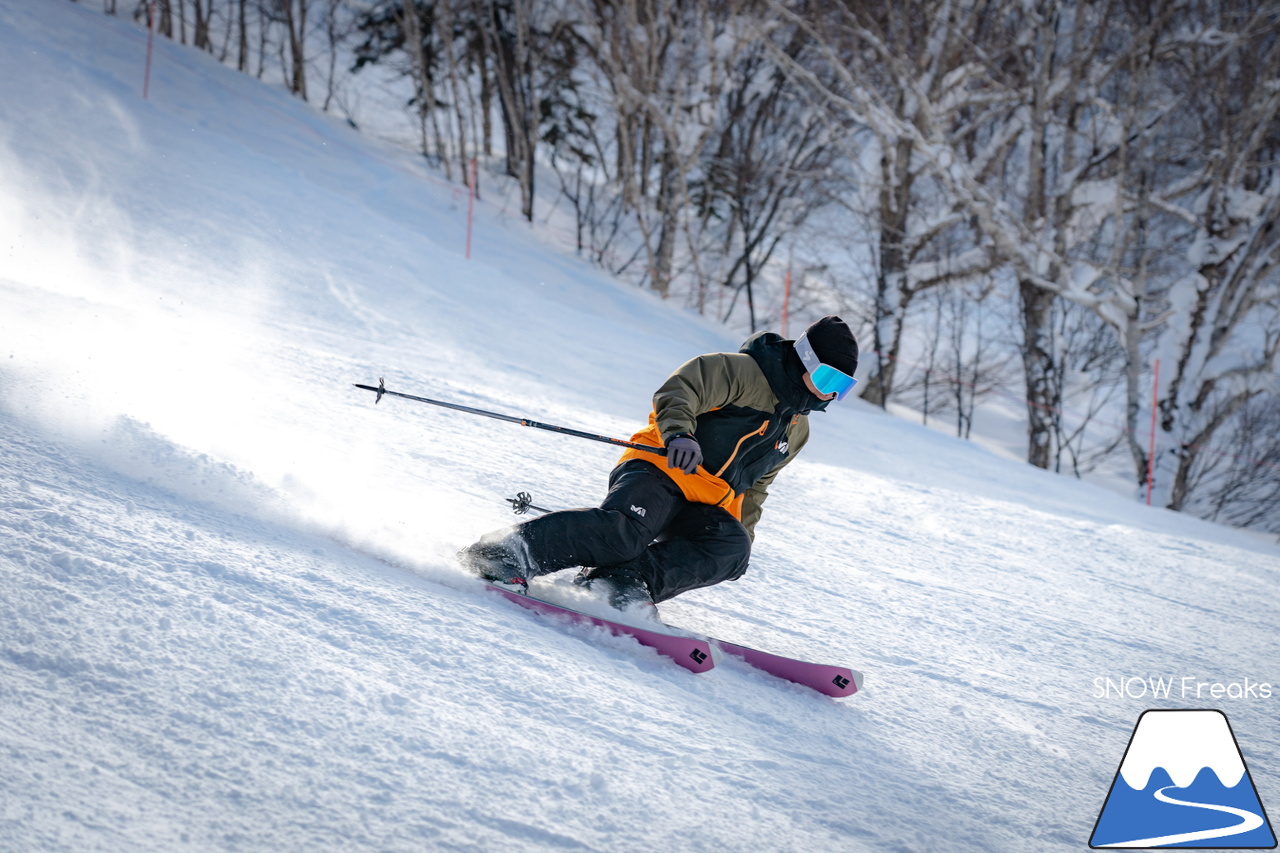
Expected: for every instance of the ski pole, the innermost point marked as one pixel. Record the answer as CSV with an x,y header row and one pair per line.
x,y
382,389
523,502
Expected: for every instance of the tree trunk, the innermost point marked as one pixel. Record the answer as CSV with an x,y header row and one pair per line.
x,y
201,40
165,27
669,211
412,27
1039,367
892,296
297,26
242,63
486,88
512,53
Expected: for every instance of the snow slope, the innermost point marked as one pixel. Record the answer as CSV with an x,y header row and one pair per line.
x,y
228,615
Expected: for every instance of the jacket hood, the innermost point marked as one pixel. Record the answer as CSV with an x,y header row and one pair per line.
x,y
783,369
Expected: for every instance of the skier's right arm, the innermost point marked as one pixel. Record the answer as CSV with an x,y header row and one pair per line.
x,y
698,386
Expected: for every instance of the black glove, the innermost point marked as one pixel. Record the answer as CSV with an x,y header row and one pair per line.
x,y
684,453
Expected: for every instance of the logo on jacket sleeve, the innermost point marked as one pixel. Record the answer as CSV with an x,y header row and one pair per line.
x,y
782,447
639,510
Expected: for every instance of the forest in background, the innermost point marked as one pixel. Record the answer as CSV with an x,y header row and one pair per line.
x,y
1070,203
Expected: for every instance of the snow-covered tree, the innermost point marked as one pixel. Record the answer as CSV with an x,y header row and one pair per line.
x,y
661,66
771,161
1006,110
1218,336
1098,165
891,77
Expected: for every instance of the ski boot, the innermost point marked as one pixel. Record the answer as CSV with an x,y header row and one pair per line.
x,y
625,589
499,562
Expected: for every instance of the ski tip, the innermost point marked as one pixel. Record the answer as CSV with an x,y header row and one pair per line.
x,y
699,658
852,682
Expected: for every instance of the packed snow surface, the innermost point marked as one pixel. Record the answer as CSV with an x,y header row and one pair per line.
x,y
229,618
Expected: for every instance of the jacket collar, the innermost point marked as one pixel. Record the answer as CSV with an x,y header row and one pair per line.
x,y
782,367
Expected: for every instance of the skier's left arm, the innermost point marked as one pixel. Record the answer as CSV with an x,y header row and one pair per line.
x,y
753,500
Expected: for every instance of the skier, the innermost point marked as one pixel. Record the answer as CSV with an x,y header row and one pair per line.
x,y
729,423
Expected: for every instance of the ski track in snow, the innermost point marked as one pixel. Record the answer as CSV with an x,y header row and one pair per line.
x,y
228,615
243,685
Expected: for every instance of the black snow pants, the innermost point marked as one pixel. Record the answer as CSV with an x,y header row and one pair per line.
x,y
645,526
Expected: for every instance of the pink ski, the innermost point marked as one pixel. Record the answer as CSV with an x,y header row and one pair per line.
x,y
834,681
692,653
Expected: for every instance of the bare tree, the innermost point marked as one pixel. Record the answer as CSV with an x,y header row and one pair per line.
x,y
662,64
770,163
1219,335
1018,137
508,30
336,33
894,78
200,34
964,356
1242,486
405,31
448,32
979,369
419,40
1088,378
242,36
1109,166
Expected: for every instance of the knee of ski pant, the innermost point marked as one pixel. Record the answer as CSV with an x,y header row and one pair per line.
x,y
726,538
738,562
709,525
633,536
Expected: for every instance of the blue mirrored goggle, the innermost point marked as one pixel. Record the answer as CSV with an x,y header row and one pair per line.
x,y
827,379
